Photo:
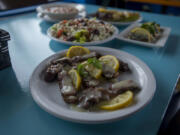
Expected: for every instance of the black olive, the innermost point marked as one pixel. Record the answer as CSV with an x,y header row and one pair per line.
x,y
96,32
111,32
71,38
64,33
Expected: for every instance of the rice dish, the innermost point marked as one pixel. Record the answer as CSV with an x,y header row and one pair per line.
x,y
82,30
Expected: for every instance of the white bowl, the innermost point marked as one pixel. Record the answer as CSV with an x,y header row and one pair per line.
x,y
48,96
80,8
58,16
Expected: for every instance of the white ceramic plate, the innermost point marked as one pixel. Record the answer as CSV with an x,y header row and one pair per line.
x,y
86,43
46,17
159,43
48,96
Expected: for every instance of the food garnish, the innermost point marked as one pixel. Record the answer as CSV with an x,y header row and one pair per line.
x,y
95,62
94,69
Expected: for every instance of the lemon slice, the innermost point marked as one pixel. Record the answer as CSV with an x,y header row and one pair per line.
x,y
119,101
142,31
93,71
76,79
77,51
111,61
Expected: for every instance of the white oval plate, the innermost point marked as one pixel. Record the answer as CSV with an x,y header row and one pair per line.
x,y
122,23
79,7
48,96
86,43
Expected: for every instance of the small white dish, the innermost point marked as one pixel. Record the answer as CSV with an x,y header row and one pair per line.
x,y
54,17
116,32
48,96
159,43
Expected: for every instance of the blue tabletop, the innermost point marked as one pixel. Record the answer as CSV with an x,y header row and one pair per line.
x,y
29,45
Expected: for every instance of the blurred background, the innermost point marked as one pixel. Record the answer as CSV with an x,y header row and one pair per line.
x,y
170,7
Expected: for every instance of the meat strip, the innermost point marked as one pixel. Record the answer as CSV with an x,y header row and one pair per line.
x,y
52,71
76,59
67,89
122,86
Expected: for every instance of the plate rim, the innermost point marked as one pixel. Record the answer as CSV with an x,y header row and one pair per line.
x,y
87,43
85,118
167,31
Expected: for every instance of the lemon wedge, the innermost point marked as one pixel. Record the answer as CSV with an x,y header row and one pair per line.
x,y
119,101
112,61
142,31
92,70
76,79
77,51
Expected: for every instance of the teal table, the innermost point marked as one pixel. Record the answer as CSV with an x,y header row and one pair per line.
x,y
29,45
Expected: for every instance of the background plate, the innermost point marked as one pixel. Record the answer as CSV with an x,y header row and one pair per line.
x,y
86,43
120,23
159,43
